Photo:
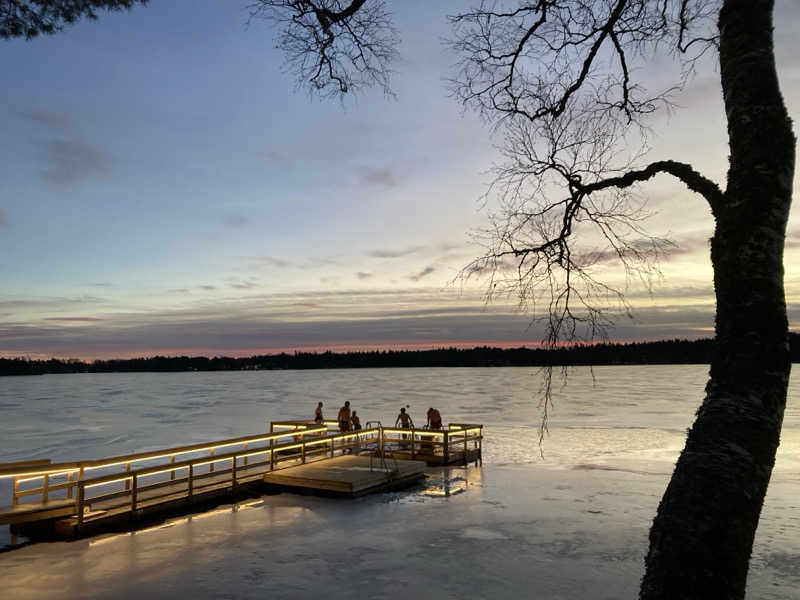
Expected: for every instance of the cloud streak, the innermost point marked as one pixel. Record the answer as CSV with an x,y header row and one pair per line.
x,y
55,121
377,177
236,220
386,253
271,261
424,273
223,330
75,319
70,162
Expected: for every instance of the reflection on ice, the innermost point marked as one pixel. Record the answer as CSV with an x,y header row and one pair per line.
x,y
444,487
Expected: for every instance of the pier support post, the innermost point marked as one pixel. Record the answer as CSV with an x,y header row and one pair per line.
x,y
133,493
81,495
446,448
191,481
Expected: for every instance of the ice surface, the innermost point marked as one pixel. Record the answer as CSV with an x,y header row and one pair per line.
x,y
570,525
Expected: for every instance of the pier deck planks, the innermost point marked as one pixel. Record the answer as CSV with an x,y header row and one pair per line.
x,y
349,474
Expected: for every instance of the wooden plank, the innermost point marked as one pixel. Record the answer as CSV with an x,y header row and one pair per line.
x,y
23,464
36,511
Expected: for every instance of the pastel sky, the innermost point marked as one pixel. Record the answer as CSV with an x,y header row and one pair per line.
x,y
167,190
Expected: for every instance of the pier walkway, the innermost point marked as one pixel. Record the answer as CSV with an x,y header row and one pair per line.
x,y
73,498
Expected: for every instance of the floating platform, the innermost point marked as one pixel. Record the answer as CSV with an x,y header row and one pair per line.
x,y
349,475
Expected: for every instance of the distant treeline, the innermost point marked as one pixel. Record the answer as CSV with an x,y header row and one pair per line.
x,y
663,352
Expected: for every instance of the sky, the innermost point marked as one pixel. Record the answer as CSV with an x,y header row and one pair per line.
x,y
166,189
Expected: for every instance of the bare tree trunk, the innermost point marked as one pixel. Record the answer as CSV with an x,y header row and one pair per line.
x,y
702,536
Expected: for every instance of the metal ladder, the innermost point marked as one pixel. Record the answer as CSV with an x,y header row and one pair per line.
x,y
391,473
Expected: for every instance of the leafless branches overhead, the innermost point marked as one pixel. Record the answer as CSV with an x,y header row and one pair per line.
x,y
531,58
334,47
564,82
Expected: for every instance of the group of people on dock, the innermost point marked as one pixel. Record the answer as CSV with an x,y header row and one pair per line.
x,y
349,420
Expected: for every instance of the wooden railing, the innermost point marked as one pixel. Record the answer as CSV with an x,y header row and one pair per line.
x,y
422,443
54,477
197,475
177,473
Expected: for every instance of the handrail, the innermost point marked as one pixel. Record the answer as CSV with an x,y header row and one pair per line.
x,y
62,468
202,460
134,476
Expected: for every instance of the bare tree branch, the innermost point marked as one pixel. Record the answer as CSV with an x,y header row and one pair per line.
x,y
334,47
558,80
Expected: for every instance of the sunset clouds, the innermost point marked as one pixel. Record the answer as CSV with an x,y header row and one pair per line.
x,y
165,190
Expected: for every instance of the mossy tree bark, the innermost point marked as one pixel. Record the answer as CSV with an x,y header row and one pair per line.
x,y
702,536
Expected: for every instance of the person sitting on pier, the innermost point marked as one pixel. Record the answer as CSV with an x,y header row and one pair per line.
x,y
434,419
355,421
318,418
344,417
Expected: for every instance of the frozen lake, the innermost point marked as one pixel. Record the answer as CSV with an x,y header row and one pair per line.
x,y
551,526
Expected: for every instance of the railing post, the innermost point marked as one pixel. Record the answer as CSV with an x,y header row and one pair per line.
x,y
211,465
465,447
191,480
45,487
233,472
69,488
15,497
133,493
127,481
303,453
271,444
244,448
446,447
413,436
172,462
81,495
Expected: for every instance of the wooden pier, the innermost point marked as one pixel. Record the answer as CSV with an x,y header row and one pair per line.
x,y
77,498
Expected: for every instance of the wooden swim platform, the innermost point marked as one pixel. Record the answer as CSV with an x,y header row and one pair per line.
x,y
76,498
350,475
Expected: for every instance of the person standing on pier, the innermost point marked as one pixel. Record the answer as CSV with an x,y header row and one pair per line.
x,y
344,417
318,418
404,420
